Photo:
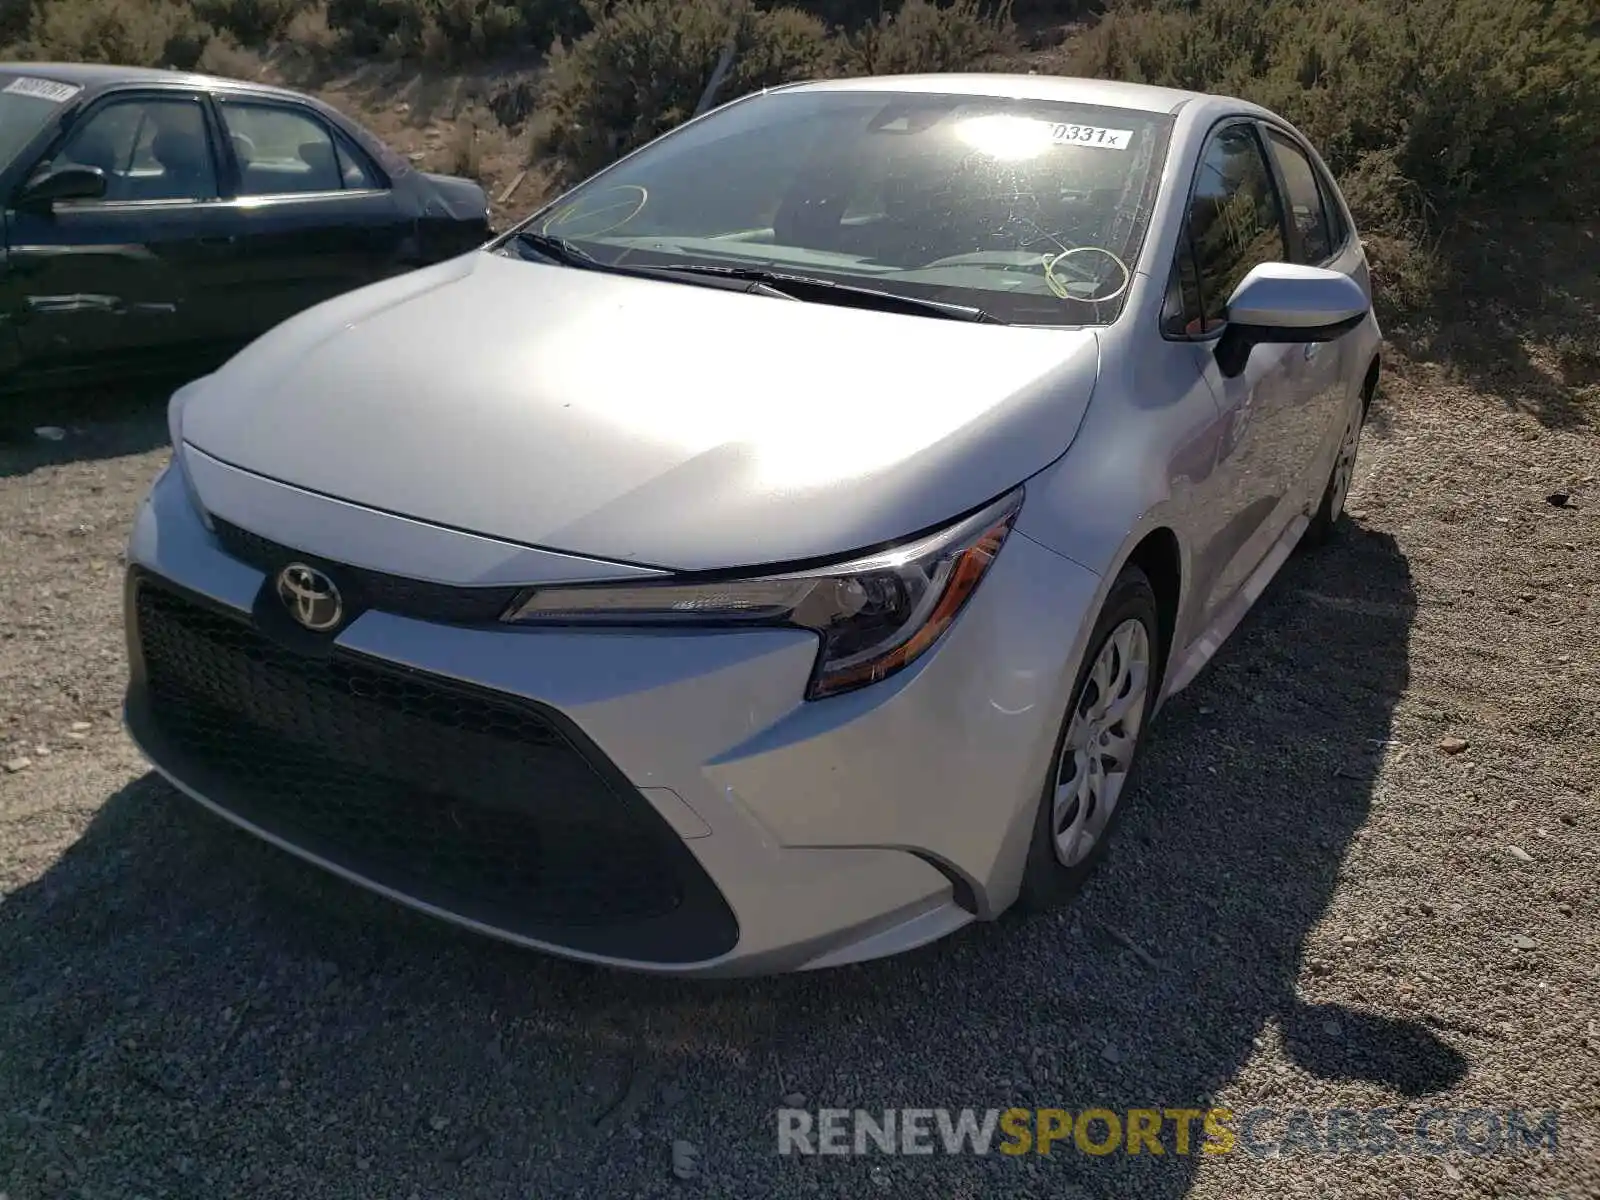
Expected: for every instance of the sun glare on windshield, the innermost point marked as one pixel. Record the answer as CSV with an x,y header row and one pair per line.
x,y
1005,137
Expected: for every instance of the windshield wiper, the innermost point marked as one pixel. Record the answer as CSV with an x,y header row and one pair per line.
x,y
568,254
806,287
771,283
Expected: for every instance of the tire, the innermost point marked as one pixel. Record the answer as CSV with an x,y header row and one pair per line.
x,y
1325,524
1051,877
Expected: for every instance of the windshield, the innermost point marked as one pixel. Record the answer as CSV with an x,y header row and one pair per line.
x,y
26,104
1032,211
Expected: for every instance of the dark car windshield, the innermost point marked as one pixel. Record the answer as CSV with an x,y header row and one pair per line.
x,y
1030,210
26,104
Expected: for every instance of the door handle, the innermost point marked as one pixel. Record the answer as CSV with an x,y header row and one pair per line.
x,y
1311,350
217,241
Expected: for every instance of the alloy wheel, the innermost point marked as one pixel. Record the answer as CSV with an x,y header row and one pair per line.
x,y
1101,738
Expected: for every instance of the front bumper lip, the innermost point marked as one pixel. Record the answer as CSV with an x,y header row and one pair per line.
x,y
685,942
834,829
896,932
902,931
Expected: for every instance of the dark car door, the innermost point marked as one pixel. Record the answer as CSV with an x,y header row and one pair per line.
x,y
31,111
141,277
317,215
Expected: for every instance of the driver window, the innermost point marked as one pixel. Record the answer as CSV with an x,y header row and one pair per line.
x,y
148,149
1235,220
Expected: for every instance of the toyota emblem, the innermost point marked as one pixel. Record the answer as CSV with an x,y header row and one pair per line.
x,y
311,597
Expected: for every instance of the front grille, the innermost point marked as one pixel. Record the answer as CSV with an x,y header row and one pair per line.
x,y
362,589
473,802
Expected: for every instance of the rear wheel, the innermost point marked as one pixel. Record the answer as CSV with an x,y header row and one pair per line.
x,y
1098,747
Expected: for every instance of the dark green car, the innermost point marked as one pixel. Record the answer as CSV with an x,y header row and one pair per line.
x,y
155,222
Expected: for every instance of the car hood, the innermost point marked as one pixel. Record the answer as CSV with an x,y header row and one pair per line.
x,y
647,422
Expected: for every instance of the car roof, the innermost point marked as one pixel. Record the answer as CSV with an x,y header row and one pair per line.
x,y
96,77
1110,93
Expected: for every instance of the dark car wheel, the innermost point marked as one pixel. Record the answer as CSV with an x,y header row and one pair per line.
x,y
1097,751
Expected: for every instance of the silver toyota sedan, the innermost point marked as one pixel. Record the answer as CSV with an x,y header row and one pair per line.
x,y
773,552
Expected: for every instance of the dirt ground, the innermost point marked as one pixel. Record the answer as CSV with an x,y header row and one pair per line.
x,y
1311,905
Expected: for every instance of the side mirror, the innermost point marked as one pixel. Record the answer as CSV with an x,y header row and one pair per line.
x,y
73,182
1288,303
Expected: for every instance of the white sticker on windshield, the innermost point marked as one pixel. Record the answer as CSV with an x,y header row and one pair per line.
x,y
1090,135
44,89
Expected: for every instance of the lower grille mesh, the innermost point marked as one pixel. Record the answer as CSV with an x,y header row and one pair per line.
x,y
469,801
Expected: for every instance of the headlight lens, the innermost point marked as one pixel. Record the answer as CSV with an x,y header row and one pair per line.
x,y
875,615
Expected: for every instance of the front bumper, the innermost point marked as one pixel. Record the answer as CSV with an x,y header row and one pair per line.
x,y
789,834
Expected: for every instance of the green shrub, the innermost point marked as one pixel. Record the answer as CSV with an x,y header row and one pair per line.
x,y
642,69
852,14
474,27
145,33
846,14
921,36
15,16
489,26
252,22
394,27
1419,106
451,29
1030,11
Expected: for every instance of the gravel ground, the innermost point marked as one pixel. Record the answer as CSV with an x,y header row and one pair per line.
x,y
1311,904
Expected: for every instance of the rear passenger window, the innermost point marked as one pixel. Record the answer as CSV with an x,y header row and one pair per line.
x,y
353,166
1307,209
282,152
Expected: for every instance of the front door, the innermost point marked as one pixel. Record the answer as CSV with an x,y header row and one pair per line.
x,y
141,277
1235,222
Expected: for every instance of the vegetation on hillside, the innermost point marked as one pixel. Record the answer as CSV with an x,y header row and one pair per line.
x,y
1422,107
1419,105
644,65
440,31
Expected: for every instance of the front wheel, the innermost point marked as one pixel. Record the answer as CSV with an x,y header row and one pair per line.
x,y
1326,521
1097,749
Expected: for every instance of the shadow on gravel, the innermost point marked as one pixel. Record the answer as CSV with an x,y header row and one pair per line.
x,y
80,426
223,1021
1400,1054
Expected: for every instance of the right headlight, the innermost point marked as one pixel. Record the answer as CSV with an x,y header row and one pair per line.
x,y
875,615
